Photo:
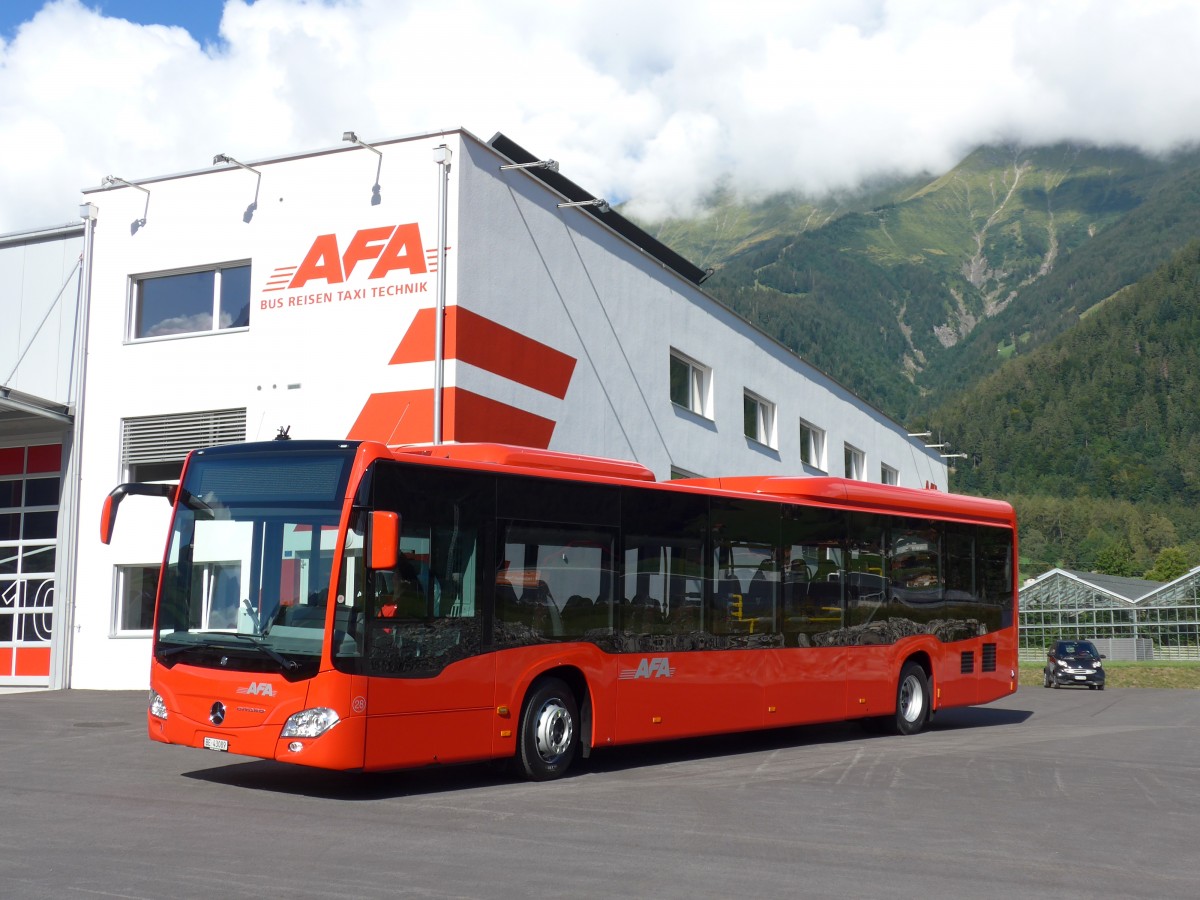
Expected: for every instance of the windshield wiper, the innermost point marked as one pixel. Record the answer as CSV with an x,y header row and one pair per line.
x,y
174,651
259,628
283,661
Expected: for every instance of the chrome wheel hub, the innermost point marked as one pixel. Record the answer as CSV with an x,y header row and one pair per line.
x,y
912,699
554,731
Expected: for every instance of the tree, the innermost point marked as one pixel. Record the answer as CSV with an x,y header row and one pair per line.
x,y
1117,559
1170,564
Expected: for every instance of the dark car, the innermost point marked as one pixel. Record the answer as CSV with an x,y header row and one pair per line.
x,y
1074,662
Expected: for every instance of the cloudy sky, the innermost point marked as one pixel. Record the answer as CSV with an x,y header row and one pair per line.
x,y
646,101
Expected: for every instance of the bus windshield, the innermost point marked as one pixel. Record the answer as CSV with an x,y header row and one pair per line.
x,y
251,556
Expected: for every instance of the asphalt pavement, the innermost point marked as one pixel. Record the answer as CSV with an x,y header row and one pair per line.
x,y
1064,794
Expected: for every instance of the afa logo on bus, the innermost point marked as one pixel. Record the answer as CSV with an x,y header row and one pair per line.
x,y
258,689
649,667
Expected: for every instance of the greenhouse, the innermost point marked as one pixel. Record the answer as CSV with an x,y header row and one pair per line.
x,y
1132,617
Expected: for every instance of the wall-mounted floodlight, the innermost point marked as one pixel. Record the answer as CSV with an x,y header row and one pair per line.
x,y
601,205
953,455
223,158
550,164
922,434
353,138
111,180
935,446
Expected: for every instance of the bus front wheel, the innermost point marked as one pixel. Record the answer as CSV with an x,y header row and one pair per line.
x,y
549,734
912,699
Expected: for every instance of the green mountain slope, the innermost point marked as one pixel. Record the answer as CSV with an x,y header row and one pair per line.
x,y
1111,408
728,226
911,300
1130,248
1095,436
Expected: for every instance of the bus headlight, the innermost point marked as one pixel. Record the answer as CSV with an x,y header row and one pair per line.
x,y
158,708
310,723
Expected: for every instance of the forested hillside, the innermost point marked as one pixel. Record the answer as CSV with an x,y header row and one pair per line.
x,y
1109,411
909,301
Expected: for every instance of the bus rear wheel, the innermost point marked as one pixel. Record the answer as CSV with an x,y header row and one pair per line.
x,y
912,699
549,734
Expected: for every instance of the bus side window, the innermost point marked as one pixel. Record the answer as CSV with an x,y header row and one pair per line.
x,y
556,582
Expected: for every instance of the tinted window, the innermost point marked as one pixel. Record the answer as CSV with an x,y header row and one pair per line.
x,y
427,611
235,297
185,303
175,304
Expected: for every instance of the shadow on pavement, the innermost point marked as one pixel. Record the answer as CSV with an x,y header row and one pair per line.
x,y
265,775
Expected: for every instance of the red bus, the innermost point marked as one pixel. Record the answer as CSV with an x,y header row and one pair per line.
x,y
352,606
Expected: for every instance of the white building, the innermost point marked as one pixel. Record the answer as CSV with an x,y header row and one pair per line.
x,y
301,293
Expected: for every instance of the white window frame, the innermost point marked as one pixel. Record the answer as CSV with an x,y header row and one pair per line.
x,y
888,474
207,572
699,385
135,300
855,463
121,595
764,419
812,443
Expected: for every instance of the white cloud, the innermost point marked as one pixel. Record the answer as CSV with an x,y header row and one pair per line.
x,y
650,101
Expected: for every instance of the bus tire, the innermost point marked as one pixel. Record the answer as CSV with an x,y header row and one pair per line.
x,y
549,733
912,699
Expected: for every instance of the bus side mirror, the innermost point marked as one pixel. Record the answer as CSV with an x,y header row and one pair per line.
x,y
108,515
383,548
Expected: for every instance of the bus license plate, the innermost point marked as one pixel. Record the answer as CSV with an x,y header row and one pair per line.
x,y
212,743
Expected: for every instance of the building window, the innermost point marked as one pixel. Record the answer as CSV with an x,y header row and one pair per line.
x,y
134,607
196,302
856,463
216,587
691,385
812,446
759,417
888,475
153,448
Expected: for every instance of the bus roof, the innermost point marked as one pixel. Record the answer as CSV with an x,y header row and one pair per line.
x,y
512,456
819,490
853,494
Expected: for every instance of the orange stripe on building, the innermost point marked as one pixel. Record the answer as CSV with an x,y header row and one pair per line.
x,y
406,417
397,417
471,417
487,345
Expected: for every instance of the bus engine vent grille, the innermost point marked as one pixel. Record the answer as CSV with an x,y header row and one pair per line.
x,y
989,657
968,662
